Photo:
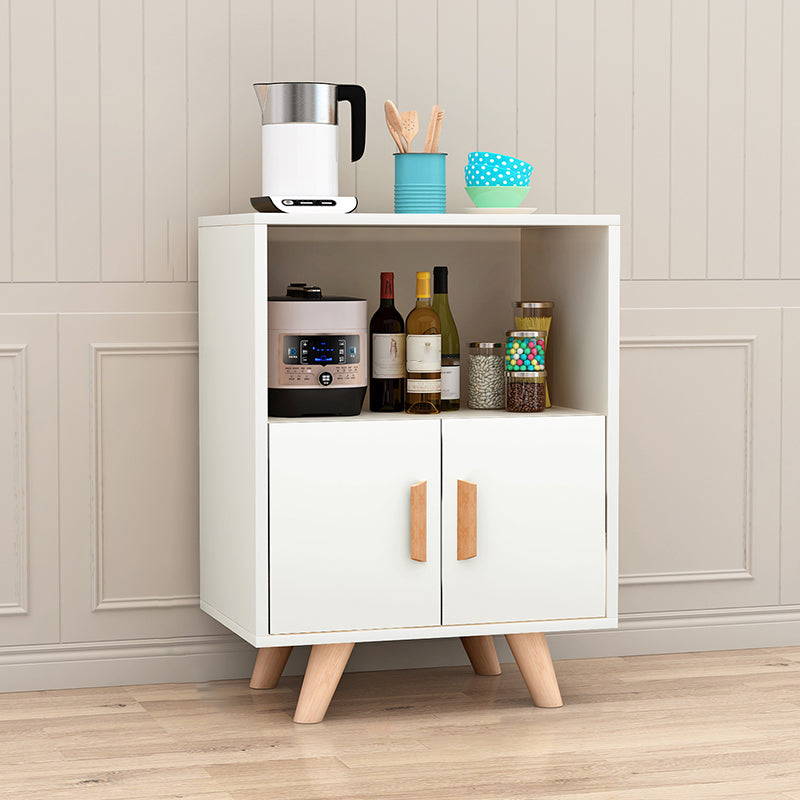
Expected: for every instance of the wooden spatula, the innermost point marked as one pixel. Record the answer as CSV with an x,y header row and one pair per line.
x,y
431,128
410,126
436,131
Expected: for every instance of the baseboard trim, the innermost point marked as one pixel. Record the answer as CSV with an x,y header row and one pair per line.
x,y
225,657
89,664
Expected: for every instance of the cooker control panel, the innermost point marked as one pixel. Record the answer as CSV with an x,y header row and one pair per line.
x,y
321,360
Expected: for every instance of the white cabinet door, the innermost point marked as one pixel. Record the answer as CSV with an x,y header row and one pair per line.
x,y
540,519
339,524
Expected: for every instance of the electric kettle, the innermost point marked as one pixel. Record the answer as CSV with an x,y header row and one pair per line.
x,y
300,144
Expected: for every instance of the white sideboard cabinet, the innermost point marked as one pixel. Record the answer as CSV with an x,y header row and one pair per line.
x,y
335,530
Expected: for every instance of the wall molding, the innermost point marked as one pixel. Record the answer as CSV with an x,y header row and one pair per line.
x,y
101,353
745,342
19,356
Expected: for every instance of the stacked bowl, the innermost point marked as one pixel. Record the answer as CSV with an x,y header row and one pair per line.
x,y
495,180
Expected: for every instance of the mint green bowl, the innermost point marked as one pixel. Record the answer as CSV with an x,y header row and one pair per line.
x,y
497,196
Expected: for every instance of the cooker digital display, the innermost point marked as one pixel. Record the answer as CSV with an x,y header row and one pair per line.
x,y
322,350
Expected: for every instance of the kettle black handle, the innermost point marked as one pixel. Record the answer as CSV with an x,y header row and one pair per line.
x,y
357,97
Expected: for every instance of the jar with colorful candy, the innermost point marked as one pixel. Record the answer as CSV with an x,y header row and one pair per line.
x,y
525,351
525,372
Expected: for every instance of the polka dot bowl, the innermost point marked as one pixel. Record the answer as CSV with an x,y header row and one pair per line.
x,y
495,169
497,196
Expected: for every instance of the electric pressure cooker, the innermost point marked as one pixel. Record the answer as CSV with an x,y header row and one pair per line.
x,y
316,353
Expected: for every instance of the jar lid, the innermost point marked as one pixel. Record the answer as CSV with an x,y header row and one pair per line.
x,y
531,304
527,374
486,344
527,334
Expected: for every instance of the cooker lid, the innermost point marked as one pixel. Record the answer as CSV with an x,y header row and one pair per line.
x,y
303,292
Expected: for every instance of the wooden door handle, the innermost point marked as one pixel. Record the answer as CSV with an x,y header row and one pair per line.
x,y
419,521
467,524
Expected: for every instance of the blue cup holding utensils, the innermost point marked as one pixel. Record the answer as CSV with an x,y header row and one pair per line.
x,y
420,185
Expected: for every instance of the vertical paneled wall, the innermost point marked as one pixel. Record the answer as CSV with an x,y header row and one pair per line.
x,y
126,119
121,121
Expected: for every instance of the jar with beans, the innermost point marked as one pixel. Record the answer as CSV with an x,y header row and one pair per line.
x,y
526,385
486,387
525,391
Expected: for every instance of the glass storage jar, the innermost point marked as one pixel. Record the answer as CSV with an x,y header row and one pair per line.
x,y
486,382
525,350
535,315
525,391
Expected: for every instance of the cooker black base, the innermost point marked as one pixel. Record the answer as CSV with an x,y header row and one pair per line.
x,y
344,402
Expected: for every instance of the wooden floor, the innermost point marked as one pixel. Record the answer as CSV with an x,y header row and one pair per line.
x,y
692,726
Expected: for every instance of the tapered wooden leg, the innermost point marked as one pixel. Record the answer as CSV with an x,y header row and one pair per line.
x,y
325,667
532,655
269,665
482,654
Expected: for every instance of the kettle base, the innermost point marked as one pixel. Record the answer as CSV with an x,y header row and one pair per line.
x,y
304,205
339,402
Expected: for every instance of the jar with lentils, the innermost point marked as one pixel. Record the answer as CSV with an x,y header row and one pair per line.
x,y
525,373
486,383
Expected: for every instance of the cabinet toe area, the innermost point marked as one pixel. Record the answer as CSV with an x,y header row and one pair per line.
x,y
532,655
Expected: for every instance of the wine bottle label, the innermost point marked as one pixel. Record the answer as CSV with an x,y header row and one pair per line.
x,y
423,386
388,355
424,352
451,383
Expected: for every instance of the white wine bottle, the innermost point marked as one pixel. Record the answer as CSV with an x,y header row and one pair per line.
x,y
423,353
451,361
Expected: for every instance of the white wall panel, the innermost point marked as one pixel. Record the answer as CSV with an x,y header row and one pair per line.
x,y
33,170
762,154
251,35
78,140
5,145
651,135
128,461
688,139
497,76
575,109
208,136
699,458
335,62
293,40
457,70
29,591
376,71
165,140
121,140
614,117
790,136
726,114
536,108
790,461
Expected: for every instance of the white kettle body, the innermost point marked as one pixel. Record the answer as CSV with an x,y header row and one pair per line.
x,y
299,136
300,159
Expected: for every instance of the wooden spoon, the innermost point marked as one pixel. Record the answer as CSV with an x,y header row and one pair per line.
x,y
410,126
395,123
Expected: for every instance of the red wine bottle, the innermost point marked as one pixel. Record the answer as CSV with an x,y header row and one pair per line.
x,y
387,358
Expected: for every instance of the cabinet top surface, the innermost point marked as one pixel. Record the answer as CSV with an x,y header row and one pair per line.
x,y
411,220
